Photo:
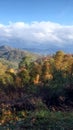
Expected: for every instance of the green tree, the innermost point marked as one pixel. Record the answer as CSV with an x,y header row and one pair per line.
x,y
26,61
24,76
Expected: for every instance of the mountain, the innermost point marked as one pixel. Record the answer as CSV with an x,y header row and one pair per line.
x,y
49,49
13,56
41,48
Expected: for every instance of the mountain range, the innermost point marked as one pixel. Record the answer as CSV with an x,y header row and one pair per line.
x,y
12,56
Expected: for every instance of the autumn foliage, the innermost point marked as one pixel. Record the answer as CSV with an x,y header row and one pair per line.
x,y
42,84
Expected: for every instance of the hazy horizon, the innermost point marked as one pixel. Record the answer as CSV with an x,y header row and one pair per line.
x,y
39,25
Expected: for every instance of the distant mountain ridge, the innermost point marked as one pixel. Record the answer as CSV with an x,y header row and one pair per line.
x,y
14,54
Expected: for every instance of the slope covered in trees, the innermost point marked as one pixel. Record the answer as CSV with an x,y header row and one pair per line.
x,y
12,56
39,94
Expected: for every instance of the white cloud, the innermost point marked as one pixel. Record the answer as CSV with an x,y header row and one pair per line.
x,y
37,32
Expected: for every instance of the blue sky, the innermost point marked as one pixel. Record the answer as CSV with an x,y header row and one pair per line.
x,y
59,11
36,23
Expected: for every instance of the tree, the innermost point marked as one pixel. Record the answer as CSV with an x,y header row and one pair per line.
x,y
35,72
24,76
59,56
46,73
25,62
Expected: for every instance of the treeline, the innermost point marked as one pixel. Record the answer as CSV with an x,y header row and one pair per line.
x,y
50,74
37,87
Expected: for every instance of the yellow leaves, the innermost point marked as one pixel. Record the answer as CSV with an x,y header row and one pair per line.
x,y
63,62
48,76
2,69
5,77
11,70
59,57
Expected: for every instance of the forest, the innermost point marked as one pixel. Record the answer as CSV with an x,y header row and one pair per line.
x,y
38,94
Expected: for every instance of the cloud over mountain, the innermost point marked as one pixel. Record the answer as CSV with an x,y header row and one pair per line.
x,y
36,33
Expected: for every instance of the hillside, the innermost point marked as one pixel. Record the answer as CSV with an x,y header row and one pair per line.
x,y
37,96
13,56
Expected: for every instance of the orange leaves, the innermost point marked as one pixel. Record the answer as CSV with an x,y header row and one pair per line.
x,y
36,80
